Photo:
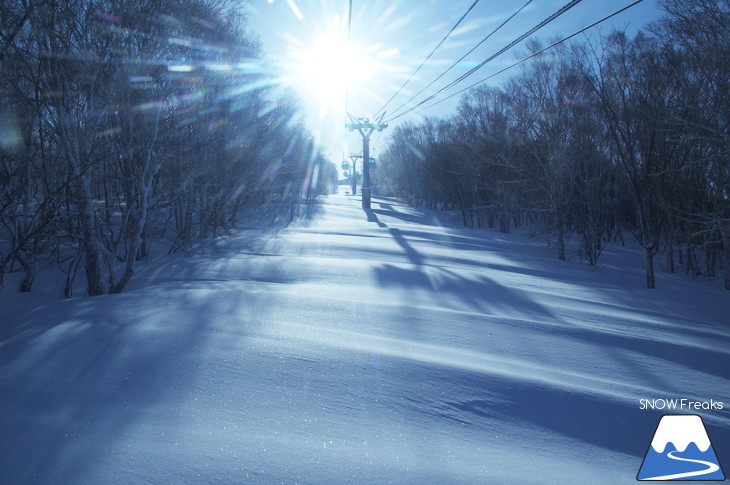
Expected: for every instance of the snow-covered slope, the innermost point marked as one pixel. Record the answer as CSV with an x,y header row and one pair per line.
x,y
378,347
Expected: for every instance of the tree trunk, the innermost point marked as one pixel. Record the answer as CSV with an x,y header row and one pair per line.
x,y
143,188
27,283
650,281
670,258
710,255
504,223
131,256
561,240
726,247
144,248
90,245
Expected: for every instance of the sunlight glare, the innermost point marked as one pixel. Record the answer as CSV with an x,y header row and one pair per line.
x,y
331,68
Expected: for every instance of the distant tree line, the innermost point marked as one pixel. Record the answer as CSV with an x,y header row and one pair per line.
x,y
129,122
623,135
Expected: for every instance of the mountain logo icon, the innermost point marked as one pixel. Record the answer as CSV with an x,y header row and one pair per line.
x,y
680,450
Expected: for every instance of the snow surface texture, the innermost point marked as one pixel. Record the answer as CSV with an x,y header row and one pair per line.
x,y
367,347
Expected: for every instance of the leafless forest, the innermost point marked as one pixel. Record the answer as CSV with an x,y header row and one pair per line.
x,y
130,123
611,136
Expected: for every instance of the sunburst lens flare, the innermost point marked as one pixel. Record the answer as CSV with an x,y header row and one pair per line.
x,y
330,67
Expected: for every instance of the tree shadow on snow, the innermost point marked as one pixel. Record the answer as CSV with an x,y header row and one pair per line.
x,y
77,376
581,415
480,292
614,425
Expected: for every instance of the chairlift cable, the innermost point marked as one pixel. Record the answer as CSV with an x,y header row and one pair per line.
x,y
429,56
578,32
519,39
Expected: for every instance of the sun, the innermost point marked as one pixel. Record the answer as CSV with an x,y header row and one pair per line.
x,y
330,68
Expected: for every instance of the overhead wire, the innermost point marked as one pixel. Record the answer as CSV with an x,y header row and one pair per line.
x,y
451,31
347,89
519,39
456,63
534,54
349,21
349,32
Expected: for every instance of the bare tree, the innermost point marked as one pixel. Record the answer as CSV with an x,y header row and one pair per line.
x,y
701,28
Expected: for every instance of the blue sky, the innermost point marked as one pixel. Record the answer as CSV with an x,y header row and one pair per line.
x,y
305,41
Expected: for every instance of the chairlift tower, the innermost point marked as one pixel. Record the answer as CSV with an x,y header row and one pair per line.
x,y
365,128
354,173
